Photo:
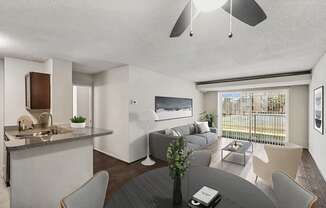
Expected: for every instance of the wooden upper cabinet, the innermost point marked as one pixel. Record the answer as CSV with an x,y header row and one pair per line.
x,y
37,91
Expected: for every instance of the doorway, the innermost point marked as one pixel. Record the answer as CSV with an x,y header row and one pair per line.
x,y
83,103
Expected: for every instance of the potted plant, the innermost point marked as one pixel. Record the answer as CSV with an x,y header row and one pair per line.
x,y
177,157
78,122
209,117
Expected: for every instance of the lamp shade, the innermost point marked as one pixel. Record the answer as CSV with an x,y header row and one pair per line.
x,y
148,115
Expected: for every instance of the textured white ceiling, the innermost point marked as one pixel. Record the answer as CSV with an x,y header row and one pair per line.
x,y
98,35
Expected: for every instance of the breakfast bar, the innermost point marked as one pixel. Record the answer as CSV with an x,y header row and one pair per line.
x,y
44,165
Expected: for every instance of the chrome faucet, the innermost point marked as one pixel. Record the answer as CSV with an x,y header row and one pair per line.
x,y
20,128
49,115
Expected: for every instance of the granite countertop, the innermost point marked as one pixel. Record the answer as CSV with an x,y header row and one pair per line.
x,y
26,139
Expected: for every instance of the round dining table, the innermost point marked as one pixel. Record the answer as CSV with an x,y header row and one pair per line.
x,y
154,189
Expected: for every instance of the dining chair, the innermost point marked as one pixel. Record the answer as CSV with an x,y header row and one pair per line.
x,y
200,158
90,195
289,194
280,158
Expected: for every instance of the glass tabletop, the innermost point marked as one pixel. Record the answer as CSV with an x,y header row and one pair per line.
x,y
237,146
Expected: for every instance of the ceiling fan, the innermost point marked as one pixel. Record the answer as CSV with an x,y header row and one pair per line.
x,y
247,11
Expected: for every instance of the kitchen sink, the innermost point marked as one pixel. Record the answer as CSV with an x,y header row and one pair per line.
x,y
40,133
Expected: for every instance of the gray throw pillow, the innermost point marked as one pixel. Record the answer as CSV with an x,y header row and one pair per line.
x,y
196,128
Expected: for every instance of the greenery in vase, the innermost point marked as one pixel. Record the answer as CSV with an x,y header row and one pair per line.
x,y
78,119
177,157
209,117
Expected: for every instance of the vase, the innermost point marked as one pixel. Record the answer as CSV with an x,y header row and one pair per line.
x,y
177,194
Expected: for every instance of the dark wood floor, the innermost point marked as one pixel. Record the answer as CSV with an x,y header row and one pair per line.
x,y
310,178
121,172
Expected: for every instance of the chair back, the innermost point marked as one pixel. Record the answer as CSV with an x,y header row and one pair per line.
x,y
201,158
284,158
289,194
91,194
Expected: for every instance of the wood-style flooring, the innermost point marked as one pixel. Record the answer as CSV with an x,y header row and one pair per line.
x,y
308,174
120,173
310,178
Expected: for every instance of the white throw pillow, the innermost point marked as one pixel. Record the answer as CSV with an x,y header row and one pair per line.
x,y
203,127
176,133
172,132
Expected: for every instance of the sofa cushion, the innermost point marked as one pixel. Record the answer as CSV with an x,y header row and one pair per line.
x,y
196,139
209,137
192,147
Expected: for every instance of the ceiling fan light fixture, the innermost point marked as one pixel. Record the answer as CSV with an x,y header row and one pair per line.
x,y
209,5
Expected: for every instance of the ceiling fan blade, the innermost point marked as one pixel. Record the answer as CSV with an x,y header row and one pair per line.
x,y
184,20
247,11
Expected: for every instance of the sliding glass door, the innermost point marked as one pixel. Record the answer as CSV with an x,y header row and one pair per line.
x,y
259,116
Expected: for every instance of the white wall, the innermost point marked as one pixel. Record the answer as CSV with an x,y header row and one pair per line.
x,y
317,142
1,114
111,95
82,99
299,115
82,79
15,71
61,90
113,91
144,85
210,102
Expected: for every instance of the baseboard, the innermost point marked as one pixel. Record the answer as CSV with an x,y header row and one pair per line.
x,y
321,173
115,157
111,155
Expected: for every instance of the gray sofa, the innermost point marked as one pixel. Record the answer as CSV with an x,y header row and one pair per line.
x,y
159,141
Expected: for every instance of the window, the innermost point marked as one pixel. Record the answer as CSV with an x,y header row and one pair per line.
x,y
259,116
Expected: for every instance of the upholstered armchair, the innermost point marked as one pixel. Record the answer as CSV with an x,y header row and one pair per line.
x,y
280,158
91,194
289,194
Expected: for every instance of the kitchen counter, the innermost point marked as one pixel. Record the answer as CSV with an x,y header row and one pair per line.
x,y
54,162
23,142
